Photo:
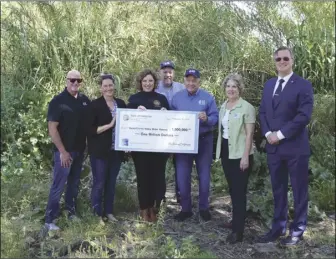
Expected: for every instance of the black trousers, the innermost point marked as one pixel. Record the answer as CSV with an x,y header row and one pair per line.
x,y
177,190
151,181
237,181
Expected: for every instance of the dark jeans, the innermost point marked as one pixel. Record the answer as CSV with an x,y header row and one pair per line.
x,y
62,176
151,182
104,174
184,164
237,181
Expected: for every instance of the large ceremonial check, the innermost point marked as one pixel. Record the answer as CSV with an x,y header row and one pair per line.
x,y
157,131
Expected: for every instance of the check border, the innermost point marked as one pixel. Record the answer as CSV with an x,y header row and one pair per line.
x,y
117,142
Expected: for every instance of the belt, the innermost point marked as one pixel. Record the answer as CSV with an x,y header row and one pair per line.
x,y
204,134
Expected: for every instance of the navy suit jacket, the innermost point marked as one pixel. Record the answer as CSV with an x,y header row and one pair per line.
x,y
291,116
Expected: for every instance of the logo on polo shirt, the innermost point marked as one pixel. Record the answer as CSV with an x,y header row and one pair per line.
x,y
201,102
84,103
157,103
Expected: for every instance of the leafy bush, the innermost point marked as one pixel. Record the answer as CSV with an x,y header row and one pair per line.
x,y
12,239
42,41
322,121
26,149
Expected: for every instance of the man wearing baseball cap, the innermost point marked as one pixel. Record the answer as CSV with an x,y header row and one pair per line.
x,y
166,84
195,99
168,87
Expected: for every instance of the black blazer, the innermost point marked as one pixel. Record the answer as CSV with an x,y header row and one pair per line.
x,y
99,145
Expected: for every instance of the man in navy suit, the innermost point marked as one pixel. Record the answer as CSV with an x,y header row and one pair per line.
x,y
285,111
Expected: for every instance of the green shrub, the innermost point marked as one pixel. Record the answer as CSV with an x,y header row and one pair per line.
x,y
322,193
12,239
323,122
42,41
218,180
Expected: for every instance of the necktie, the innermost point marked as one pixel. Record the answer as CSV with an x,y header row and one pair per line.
x,y
276,97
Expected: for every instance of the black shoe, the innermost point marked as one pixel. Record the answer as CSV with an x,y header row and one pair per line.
x,y
183,215
291,241
234,238
270,237
205,215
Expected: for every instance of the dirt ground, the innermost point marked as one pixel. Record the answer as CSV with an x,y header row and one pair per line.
x,y
129,237
211,235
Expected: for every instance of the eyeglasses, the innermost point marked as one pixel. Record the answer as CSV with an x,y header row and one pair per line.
x,y
72,80
284,59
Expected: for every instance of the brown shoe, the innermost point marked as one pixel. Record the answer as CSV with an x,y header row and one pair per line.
x,y
152,215
144,215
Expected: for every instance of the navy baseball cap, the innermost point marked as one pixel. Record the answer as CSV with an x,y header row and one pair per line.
x,y
167,63
192,72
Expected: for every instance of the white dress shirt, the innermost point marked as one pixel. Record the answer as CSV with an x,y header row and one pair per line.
x,y
286,78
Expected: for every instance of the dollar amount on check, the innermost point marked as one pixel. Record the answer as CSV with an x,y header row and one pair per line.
x,y
157,131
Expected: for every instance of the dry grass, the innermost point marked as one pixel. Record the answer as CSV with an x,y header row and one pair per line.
x,y
130,237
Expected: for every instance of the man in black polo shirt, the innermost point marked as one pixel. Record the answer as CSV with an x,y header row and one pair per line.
x,y
67,115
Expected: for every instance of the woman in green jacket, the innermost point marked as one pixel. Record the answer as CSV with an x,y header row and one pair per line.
x,y
234,146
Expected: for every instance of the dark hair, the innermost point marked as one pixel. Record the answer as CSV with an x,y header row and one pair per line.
x,y
141,75
284,48
102,77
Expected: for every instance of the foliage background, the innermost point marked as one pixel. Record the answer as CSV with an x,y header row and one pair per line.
x,y
40,42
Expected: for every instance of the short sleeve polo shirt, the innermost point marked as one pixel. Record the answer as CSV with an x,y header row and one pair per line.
x,y
71,114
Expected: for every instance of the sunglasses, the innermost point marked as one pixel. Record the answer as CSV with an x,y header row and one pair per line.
x,y
107,76
284,59
72,80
